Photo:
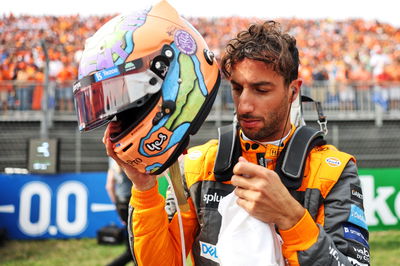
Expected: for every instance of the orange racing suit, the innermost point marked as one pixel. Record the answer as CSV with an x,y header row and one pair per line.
x,y
331,232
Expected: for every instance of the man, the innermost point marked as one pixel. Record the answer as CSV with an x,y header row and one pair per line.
x,y
262,66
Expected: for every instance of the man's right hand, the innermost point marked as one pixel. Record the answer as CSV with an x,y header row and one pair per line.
x,y
141,181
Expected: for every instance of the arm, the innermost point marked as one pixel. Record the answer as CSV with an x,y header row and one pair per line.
x,y
156,241
338,242
153,232
262,194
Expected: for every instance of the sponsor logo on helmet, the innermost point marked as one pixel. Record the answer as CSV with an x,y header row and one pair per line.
x,y
185,42
208,251
106,73
333,162
130,66
135,161
157,144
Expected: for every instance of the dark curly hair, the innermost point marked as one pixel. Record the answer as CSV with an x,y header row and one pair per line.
x,y
267,43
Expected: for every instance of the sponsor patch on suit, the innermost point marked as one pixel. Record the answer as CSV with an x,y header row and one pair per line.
x,y
357,217
359,253
354,233
356,193
213,196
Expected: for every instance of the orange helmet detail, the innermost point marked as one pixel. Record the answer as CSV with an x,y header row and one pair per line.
x,y
152,71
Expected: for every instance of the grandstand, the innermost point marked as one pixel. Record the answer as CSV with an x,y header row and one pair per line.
x,y
352,67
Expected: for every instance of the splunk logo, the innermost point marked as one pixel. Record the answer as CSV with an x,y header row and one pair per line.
x,y
208,251
213,196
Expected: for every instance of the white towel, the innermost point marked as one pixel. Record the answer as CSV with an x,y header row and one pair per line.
x,y
244,240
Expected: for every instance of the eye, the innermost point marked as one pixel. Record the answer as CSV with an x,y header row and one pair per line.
x,y
261,90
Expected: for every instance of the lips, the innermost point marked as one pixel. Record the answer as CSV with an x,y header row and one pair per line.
x,y
249,123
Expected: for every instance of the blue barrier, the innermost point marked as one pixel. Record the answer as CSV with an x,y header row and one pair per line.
x,y
55,206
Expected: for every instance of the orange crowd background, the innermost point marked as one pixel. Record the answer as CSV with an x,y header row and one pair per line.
x,y
344,51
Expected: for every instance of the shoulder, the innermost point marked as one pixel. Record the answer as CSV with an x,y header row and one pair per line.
x,y
199,162
330,165
331,156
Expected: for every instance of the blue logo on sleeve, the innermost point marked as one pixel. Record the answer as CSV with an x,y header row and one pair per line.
x,y
357,217
352,232
106,73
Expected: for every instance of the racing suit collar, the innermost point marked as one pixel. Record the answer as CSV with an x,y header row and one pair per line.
x,y
253,150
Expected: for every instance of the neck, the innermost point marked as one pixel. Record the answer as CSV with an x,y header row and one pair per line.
x,y
273,142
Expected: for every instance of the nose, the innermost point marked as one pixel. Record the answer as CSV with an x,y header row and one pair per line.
x,y
245,102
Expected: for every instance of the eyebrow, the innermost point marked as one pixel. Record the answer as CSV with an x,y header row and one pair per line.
x,y
254,84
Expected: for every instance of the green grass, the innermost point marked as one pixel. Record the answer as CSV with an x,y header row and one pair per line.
x,y
58,252
385,250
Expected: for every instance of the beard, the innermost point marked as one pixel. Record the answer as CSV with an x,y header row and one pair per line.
x,y
273,126
266,132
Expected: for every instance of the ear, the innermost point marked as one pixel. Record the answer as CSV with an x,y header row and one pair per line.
x,y
295,89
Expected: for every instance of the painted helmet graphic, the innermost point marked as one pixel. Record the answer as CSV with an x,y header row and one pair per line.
x,y
153,72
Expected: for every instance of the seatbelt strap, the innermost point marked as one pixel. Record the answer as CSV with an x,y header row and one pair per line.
x,y
228,154
291,161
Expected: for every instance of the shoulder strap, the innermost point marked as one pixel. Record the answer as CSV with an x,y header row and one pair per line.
x,y
290,163
228,154
291,160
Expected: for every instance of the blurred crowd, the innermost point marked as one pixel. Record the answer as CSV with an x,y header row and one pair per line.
x,y
349,55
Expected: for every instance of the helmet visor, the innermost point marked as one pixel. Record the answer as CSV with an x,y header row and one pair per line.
x,y
97,102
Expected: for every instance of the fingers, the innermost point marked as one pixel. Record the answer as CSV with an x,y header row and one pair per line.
x,y
241,181
244,194
243,203
245,168
111,127
242,159
252,176
245,174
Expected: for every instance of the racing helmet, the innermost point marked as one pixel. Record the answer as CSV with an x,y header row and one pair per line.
x,y
152,71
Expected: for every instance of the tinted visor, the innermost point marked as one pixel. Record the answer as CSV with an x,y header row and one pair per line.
x,y
97,103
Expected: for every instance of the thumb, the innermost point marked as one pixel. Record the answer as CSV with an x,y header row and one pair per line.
x,y
242,159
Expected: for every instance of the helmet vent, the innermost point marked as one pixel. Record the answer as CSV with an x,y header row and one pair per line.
x,y
127,147
209,56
